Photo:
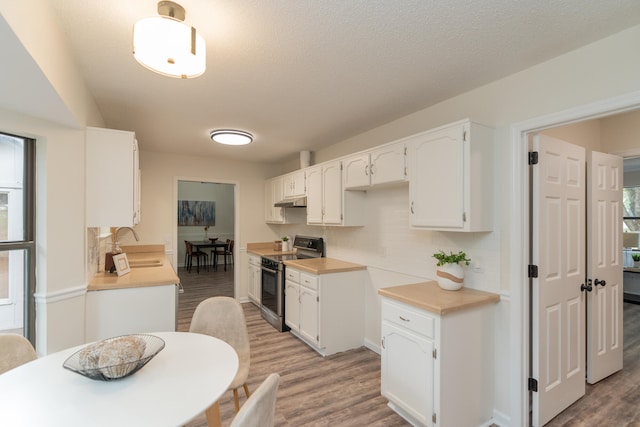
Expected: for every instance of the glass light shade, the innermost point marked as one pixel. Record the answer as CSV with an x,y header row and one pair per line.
x,y
231,137
169,47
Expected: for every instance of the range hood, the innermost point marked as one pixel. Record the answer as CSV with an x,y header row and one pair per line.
x,y
300,202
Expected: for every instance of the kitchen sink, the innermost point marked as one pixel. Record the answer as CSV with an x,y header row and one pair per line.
x,y
145,263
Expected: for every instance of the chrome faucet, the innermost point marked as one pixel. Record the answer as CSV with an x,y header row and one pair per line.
x,y
116,244
127,228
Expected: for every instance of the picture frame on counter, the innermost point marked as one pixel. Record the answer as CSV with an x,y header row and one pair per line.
x,y
122,264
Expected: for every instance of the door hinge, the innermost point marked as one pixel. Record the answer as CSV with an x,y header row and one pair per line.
x,y
464,135
434,353
405,150
317,299
533,384
434,418
533,157
533,271
464,217
317,337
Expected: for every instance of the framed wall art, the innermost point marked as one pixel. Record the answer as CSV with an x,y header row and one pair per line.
x,y
196,212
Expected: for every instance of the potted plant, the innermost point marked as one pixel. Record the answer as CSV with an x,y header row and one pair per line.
x,y
636,260
449,272
286,246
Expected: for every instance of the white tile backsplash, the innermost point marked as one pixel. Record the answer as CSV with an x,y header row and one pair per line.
x,y
387,242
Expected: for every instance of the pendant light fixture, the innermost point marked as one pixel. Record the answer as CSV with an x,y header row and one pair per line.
x,y
166,45
231,137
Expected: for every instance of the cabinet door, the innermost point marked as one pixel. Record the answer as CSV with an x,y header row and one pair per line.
x,y
274,193
292,305
296,183
111,160
314,195
309,314
332,193
436,184
254,284
388,164
356,171
408,371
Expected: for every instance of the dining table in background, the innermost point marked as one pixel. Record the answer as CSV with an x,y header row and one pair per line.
x,y
211,243
182,381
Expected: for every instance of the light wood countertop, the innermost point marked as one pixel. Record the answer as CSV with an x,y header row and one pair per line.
x,y
265,249
161,273
323,265
429,296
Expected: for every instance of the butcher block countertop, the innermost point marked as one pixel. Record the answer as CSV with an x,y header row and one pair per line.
x,y
429,296
323,265
154,270
265,249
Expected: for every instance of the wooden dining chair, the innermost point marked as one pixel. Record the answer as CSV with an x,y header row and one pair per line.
x,y
197,255
223,318
260,409
15,350
228,253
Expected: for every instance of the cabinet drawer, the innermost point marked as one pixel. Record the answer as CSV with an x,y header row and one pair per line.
x,y
309,281
293,275
414,320
254,260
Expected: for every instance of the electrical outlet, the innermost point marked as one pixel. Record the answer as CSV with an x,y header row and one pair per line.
x,y
477,266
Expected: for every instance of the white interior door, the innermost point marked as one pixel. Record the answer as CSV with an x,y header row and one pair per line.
x,y
558,249
604,266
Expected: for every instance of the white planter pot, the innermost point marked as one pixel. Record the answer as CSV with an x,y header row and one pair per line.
x,y
450,277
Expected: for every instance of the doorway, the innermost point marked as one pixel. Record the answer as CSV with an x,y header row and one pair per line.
x,y
520,240
204,210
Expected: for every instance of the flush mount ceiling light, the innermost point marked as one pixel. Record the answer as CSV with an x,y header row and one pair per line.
x,y
231,137
167,45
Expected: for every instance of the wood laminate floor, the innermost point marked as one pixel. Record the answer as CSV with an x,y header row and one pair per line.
x,y
344,389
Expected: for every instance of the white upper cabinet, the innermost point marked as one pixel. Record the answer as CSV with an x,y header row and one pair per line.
x,y
112,177
273,193
383,165
327,203
451,178
294,185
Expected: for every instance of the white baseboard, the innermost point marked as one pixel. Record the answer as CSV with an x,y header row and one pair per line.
x,y
372,346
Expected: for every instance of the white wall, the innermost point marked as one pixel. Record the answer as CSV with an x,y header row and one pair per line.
x,y
59,230
160,174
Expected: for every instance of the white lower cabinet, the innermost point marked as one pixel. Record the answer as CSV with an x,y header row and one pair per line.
x,y
133,310
437,370
254,280
326,311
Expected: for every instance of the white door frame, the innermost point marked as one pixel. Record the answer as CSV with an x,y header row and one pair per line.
x,y
236,223
519,238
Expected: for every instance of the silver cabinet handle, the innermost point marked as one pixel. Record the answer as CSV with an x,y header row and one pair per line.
x,y
371,168
404,320
366,170
412,207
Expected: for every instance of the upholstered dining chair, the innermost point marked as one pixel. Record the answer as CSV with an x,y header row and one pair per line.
x,y
223,318
260,409
15,350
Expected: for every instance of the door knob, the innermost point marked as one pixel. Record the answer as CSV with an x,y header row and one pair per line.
x,y
586,287
600,282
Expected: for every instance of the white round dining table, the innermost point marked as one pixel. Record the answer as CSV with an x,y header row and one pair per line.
x,y
182,381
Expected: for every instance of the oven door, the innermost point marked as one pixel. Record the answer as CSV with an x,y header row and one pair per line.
x,y
272,291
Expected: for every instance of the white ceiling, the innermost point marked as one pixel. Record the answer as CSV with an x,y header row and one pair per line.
x,y
303,74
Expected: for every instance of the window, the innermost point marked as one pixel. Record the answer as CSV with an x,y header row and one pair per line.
x,y
631,202
17,235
